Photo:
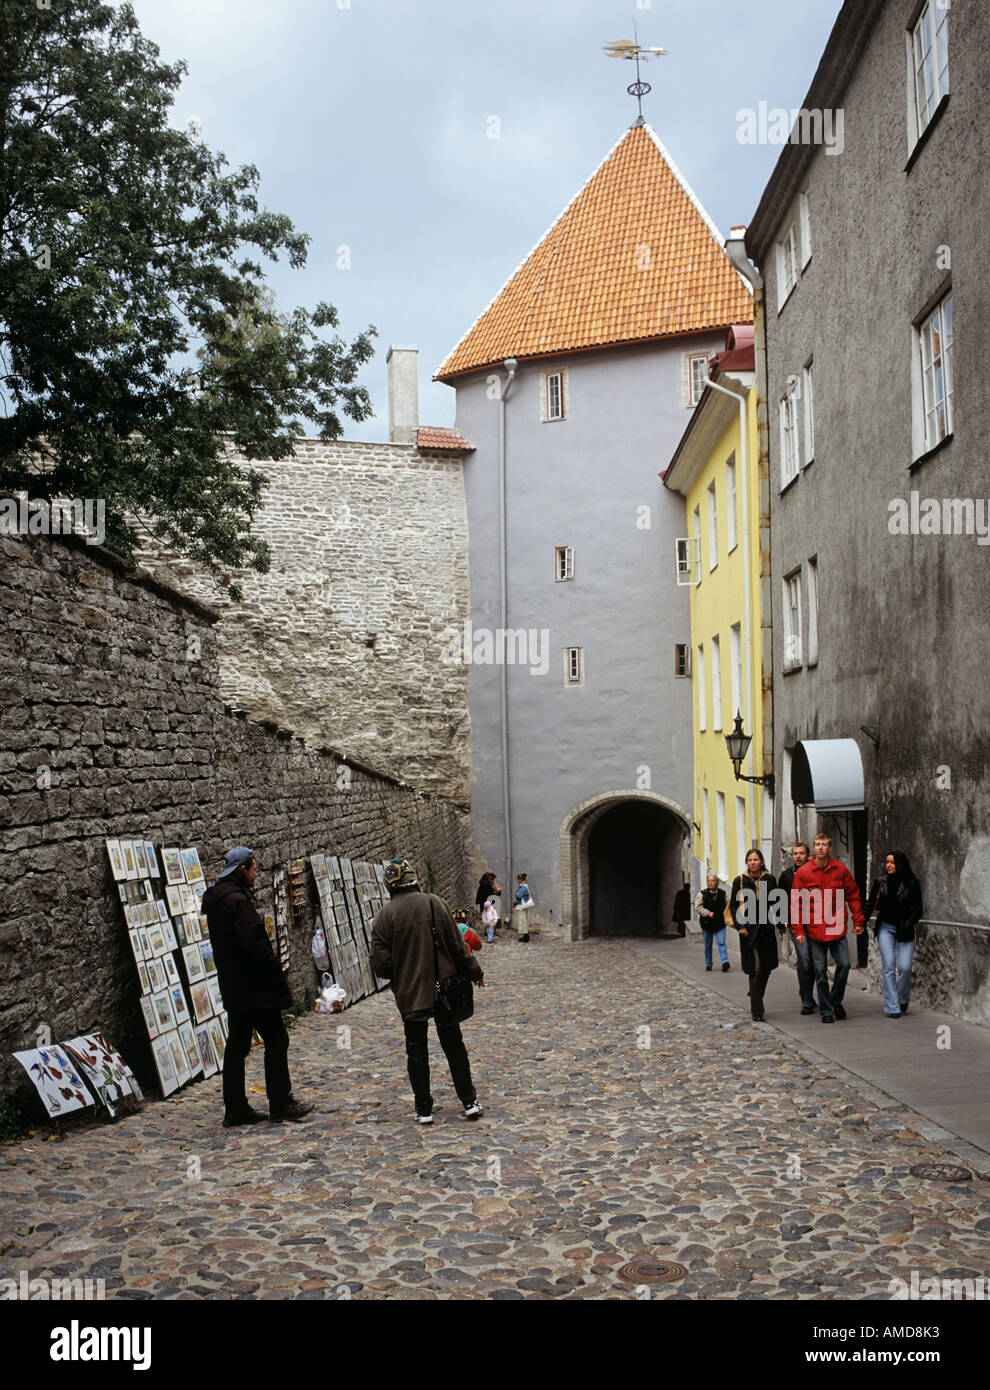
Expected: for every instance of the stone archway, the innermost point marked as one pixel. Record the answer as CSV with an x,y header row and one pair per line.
x,y
575,858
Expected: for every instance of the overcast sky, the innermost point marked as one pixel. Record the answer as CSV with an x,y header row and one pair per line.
x,y
370,123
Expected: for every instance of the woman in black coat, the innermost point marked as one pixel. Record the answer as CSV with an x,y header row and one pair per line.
x,y
896,896
757,937
486,888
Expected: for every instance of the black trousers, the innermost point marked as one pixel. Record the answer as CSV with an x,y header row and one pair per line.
x,y
418,1061
240,1025
758,982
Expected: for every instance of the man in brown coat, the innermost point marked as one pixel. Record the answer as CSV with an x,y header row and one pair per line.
x,y
403,951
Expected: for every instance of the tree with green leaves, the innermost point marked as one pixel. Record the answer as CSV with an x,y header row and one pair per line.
x,y
126,247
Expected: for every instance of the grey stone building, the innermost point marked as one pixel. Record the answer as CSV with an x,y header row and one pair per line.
x,y
871,246
574,386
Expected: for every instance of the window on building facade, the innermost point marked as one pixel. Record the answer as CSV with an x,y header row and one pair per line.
x,y
697,537
698,365
805,215
930,46
716,684
789,438
808,392
574,666
706,829
555,396
813,611
792,621
712,527
720,829
736,671
702,699
742,840
688,551
731,507
936,373
682,659
787,264
563,562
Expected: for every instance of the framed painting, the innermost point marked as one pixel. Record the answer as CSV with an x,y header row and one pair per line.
x,y
194,963
167,932
193,929
206,1050
164,1065
181,939
146,950
150,1017
162,909
223,1024
189,904
116,860
178,1056
156,975
217,1039
173,866
140,858
201,1002
143,977
164,1013
270,926
216,998
129,917
191,1048
174,900
207,957
192,866
149,854
122,892
157,939
171,969
56,1079
179,1006
106,1072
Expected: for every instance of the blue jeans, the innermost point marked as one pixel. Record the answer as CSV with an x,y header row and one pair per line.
x,y
896,957
805,973
828,999
719,935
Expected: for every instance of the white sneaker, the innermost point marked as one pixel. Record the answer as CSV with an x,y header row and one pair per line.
x,y
425,1119
472,1111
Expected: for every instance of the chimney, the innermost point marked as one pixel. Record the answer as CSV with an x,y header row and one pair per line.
x,y
403,395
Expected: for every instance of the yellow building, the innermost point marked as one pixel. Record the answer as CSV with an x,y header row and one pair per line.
x,y
716,469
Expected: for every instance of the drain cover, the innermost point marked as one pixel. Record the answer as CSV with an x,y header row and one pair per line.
x,y
651,1272
941,1172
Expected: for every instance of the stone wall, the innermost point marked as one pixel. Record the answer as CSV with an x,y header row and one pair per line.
x,y
114,725
342,640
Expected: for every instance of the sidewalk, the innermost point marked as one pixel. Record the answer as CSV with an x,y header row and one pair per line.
x,y
948,1086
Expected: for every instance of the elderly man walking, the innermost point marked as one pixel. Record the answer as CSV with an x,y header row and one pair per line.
x,y
254,991
414,943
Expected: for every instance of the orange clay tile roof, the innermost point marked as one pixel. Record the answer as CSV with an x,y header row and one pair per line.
x,y
633,257
440,437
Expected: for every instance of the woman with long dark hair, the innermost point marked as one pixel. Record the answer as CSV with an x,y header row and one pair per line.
x,y
896,895
757,937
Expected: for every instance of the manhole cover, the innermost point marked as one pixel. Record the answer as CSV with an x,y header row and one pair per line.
x,y
941,1172
651,1272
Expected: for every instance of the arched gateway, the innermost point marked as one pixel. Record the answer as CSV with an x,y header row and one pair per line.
x,y
623,856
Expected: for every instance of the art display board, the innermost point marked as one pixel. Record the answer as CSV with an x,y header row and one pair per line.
x,y
350,893
56,1079
105,1070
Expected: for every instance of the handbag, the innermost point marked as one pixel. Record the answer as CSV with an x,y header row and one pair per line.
x,y
454,996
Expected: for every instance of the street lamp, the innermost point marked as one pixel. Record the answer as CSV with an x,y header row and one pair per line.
x,y
737,744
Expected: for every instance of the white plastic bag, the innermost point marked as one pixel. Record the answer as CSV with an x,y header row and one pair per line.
x,y
319,949
331,998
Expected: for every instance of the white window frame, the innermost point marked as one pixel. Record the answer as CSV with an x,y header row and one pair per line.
x,y
563,563
558,378
736,671
702,693
788,255
742,839
716,685
687,550
804,212
682,660
936,372
706,829
790,442
929,84
813,611
808,392
574,666
721,830
791,592
731,504
697,381
712,508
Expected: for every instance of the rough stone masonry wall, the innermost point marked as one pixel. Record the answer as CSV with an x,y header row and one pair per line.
x,y
110,683
342,640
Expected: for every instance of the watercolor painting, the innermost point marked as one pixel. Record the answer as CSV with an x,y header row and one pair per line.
x,y
173,866
55,1079
213,984
116,859
222,1018
140,858
174,900
106,1071
144,979
168,933
206,1051
157,940
194,964
191,1048
190,905
179,1005
156,975
201,1001
192,866
193,931
179,932
209,962
164,1013
178,1057
162,910
217,1039
164,1065
149,854
150,1018
171,969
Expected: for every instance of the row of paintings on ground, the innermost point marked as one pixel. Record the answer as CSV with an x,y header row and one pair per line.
x,y
180,994
83,1072
350,892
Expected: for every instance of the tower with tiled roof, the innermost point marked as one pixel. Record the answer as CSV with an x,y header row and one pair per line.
x,y
575,385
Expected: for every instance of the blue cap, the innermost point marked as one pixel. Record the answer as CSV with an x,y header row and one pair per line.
x,y
235,857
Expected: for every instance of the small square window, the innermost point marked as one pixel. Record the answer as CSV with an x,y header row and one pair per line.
x,y
563,563
682,659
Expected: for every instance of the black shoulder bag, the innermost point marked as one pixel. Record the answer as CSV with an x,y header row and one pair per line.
x,y
454,995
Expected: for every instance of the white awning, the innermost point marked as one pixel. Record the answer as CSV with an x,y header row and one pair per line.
x,y
827,773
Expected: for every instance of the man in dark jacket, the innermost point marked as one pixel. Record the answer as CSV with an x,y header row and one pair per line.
x,y
402,951
254,993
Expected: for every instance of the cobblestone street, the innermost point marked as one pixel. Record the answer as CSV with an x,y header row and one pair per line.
x,y
630,1116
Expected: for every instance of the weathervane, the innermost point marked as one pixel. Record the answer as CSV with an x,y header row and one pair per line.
x,y
631,50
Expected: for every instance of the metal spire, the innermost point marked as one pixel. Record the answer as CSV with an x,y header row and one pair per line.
x,y
630,50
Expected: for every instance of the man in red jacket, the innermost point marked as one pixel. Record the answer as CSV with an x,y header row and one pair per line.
x,y
822,890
